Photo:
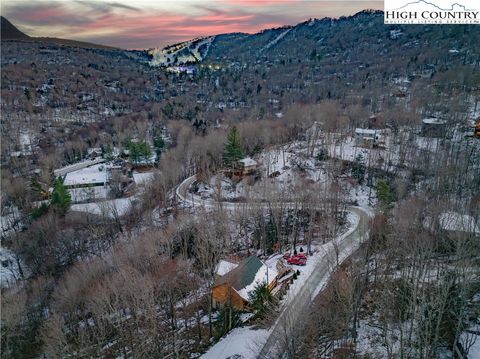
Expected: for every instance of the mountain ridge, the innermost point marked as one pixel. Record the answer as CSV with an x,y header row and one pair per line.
x,y
190,51
11,32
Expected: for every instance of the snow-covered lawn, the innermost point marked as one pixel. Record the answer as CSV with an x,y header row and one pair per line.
x,y
110,208
240,343
142,178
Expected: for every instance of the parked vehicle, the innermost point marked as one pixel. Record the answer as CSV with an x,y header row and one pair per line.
x,y
299,260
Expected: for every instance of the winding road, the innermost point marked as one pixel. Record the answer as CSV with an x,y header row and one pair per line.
x,y
284,328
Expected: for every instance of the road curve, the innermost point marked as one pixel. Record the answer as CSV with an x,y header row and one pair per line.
x,y
287,321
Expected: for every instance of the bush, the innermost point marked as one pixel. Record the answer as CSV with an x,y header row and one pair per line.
x,y
261,300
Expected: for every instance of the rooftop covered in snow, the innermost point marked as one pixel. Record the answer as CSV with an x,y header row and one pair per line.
x,y
247,162
433,121
93,175
225,267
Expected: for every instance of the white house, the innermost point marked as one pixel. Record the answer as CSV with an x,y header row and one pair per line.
x,y
366,137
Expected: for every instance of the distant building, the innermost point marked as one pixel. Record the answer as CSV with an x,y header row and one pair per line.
x,y
365,137
245,166
94,152
233,288
189,70
92,176
433,127
61,172
453,222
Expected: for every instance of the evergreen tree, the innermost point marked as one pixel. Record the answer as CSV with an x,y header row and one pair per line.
x,y
233,148
384,194
108,152
261,300
358,168
61,199
139,151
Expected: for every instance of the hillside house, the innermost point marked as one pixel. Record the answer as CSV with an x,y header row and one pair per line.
x,y
234,286
452,223
433,127
61,172
365,137
224,267
245,166
93,153
94,179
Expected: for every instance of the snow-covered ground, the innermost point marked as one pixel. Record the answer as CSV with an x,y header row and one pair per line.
x,y
282,170
110,208
182,53
240,343
471,340
142,178
9,271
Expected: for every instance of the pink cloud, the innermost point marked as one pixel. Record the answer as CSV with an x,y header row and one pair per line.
x,y
130,27
258,3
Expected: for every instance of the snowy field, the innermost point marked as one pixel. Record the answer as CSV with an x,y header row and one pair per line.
x,y
110,208
240,343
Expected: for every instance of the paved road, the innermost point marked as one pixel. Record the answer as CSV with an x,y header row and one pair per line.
x,y
347,244
284,327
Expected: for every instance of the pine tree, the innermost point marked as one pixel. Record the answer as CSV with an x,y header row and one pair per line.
x,y
384,194
358,168
233,148
61,198
261,300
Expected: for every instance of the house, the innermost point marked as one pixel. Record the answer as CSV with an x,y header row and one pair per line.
x,y
233,288
453,223
365,137
94,152
246,166
94,179
61,172
223,267
87,184
92,176
433,127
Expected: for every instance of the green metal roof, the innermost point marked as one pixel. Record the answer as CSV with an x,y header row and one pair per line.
x,y
243,275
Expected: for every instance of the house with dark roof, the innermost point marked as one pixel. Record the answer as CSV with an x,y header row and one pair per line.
x,y
233,288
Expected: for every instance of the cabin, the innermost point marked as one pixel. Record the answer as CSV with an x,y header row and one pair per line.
x,y
453,223
234,286
365,137
61,172
224,267
433,127
245,166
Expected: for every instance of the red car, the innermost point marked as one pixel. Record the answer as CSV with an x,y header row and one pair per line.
x,y
298,261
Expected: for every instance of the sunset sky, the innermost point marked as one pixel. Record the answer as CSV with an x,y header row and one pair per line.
x,y
136,24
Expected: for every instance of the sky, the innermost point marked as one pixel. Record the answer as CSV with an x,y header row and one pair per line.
x,y
141,24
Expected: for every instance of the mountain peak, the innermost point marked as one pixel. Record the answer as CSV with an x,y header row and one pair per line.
x,y
10,32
